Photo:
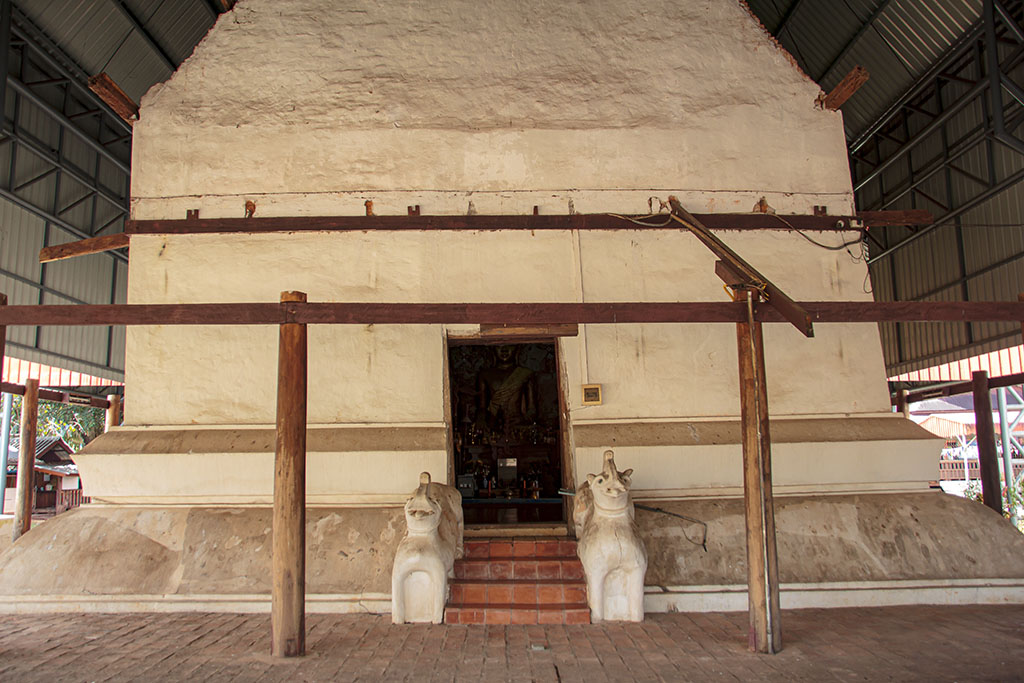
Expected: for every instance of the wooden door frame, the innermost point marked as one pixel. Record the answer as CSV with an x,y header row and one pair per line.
x,y
566,457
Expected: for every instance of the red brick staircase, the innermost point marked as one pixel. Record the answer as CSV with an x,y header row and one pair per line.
x,y
518,581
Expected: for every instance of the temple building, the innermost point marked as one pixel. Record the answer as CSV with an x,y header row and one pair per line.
x,y
299,112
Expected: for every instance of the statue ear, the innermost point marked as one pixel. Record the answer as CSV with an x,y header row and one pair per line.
x,y
591,478
627,472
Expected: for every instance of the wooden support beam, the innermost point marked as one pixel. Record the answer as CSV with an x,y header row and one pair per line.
x,y
3,350
111,93
578,221
758,505
490,331
845,88
779,300
113,416
877,219
958,388
288,597
93,245
991,493
57,396
24,498
501,314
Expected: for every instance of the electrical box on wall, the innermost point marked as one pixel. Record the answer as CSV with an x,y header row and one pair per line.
x,y
592,395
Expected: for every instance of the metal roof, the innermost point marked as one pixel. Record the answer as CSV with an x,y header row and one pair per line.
x,y
139,42
895,40
136,42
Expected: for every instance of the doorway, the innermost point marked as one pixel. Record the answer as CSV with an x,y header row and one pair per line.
x,y
506,431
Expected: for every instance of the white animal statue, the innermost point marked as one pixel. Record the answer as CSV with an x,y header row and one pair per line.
x,y
609,545
425,556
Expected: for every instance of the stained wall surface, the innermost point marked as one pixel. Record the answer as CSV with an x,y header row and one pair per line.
x,y
312,108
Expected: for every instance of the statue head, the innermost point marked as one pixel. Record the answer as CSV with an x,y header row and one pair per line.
x,y
506,353
610,487
422,513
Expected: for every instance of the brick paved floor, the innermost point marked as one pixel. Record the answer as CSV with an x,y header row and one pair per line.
x,y
877,644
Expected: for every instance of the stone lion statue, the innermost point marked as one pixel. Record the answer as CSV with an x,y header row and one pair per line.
x,y
609,545
427,553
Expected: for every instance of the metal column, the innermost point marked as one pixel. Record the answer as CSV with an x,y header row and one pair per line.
x,y
1004,434
5,442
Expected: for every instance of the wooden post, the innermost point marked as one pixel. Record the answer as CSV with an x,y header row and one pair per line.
x,y
288,600
988,463
5,430
3,347
25,494
759,508
113,412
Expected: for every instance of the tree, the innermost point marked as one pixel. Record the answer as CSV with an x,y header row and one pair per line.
x,y
77,425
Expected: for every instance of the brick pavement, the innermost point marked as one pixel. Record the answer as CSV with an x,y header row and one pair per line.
x,y
976,643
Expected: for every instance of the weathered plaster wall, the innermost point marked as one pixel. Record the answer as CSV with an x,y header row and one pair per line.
x,y
203,377
389,373
927,535
311,107
161,555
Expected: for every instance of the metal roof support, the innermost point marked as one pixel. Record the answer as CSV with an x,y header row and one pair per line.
x,y
981,56
47,216
211,8
864,28
787,17
62,118
146,36
57,91
43,51
5,54
25,141
43,288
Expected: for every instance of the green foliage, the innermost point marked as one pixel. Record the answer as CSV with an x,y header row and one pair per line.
x,y
973,492
77,425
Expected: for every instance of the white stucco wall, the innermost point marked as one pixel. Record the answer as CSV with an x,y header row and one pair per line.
x,y
311,107
388,373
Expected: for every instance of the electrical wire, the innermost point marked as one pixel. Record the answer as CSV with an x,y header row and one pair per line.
x,y
703,542
830,247
640,222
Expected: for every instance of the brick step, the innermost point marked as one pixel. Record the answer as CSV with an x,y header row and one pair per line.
x,y
519,568
518,581
518,547
513,613
524,593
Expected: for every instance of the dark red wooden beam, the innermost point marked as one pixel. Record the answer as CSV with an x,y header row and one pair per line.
x,y
960,388
508,314
596,221
57,396
93,245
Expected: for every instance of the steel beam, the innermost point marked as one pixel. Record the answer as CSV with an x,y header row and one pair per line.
x,y
25,141
948,217
56,220
61,118
146,36
864,28
43,50
41,287
979,48
787,17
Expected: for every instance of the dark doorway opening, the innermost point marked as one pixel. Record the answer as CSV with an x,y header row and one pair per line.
x,y
506,432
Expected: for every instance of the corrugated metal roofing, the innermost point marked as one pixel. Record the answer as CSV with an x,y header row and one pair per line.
x,y
903,38
99,37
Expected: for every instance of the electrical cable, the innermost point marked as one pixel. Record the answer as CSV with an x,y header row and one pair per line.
x,y
703,542
840,247
639,222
